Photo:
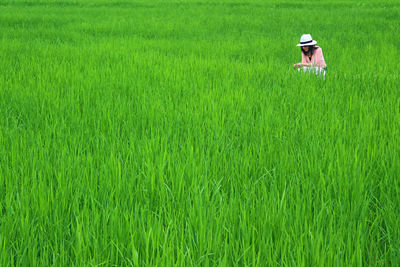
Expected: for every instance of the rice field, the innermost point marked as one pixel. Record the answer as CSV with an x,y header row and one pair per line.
x,y
176,133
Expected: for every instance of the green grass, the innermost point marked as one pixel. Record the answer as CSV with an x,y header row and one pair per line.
x,y
177,133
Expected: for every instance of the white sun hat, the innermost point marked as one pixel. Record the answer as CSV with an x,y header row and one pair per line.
x,y
306,39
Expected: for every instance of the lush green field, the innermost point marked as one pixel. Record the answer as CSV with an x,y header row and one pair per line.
x,y
177,133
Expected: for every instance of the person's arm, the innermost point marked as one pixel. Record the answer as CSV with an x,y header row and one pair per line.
x,y
301,64
319,59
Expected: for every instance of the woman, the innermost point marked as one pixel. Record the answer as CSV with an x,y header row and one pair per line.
x,y
311,55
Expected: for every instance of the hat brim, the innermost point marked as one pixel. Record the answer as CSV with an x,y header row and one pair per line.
x,y
312,43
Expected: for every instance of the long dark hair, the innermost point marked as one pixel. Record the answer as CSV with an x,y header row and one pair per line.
x,y
310,51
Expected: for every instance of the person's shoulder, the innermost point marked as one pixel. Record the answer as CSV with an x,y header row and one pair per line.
x,y
317,49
